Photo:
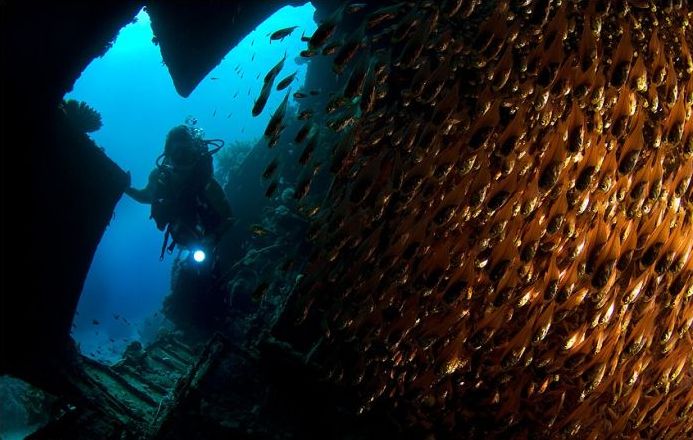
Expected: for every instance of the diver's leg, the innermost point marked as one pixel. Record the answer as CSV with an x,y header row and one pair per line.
x,y
217,199
219,207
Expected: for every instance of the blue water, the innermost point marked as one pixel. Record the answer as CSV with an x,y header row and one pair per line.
x,y
134,93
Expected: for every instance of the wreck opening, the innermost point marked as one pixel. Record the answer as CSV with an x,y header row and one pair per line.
x,y
132,89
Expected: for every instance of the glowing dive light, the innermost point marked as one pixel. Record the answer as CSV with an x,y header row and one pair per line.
x,y
199,255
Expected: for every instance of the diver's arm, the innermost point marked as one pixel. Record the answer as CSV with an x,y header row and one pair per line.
x,y
146,194
143,195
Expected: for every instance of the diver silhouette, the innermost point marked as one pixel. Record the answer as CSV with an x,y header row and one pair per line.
x,y
186,201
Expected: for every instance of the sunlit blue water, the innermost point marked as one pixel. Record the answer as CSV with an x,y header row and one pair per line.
x,y
134,93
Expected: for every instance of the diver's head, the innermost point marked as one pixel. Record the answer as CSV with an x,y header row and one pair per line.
x,y
182,145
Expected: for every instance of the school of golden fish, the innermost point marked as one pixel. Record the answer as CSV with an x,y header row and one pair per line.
x,y
506,249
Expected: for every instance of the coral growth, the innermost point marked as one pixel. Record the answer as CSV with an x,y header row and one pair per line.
x,y
82,116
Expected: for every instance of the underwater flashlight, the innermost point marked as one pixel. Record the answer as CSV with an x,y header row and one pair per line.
x,y
199,255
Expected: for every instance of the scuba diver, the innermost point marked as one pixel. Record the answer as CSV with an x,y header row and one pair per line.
x,y
186,201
